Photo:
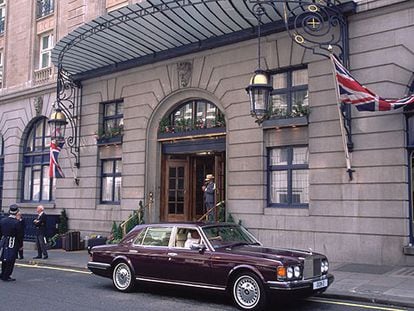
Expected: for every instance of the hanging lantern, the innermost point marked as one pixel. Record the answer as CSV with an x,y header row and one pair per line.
x,y
259,93
57,125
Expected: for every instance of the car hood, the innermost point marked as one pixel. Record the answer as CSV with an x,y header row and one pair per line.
x,y
280,254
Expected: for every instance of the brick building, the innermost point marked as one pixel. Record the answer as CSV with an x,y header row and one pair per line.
x,y
154,124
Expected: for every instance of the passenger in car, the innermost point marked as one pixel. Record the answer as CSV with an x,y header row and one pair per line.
x,y
192,238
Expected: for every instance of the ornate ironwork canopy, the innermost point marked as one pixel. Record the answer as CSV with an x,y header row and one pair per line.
x,y
155,30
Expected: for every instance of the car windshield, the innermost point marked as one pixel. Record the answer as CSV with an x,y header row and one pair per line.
x,y
227,236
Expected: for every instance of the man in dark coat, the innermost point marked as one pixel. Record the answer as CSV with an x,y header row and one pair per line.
x,y
40,224
209,196
11,233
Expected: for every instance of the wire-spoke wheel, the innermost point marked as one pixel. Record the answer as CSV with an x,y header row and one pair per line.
x,y
123,278
248,292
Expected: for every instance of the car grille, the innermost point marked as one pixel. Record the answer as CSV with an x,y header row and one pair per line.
x,y
312,267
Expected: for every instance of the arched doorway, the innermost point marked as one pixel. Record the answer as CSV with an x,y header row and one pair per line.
x,y
193,143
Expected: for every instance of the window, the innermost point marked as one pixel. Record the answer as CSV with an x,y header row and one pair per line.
x,y
37,186
1,69
2,15
193,115
44,8
113,120
290,93
111,181
157,236
46,46
288,177
1,168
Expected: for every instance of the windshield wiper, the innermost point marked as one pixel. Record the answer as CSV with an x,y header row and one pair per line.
x,y
242,244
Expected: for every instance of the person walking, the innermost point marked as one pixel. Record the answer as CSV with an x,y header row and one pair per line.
x,y
21,220
209,196
40,224
10,234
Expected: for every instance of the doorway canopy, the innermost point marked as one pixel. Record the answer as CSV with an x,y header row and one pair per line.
x,y
154,30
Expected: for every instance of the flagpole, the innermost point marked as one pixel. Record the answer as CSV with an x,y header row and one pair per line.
x,y
341,120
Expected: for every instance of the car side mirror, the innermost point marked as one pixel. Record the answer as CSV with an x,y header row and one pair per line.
x,y
198,247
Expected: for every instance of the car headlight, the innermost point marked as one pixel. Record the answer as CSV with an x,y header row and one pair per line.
x,y
324,266
289,273
296,272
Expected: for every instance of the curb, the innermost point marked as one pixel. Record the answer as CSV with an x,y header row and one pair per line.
x,y
392,301
49,264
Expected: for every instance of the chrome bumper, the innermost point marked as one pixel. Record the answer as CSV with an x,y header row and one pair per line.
x,y
306,285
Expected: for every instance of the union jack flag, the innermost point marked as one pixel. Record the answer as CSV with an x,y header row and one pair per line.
x,y
55,171
352,92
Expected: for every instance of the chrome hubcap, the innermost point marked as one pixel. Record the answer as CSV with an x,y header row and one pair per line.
x,y
122,276
247,292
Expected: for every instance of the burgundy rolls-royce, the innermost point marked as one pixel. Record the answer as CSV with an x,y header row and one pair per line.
x,y
216,256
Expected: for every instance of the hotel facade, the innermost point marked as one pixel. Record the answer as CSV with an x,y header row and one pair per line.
x,y
160,101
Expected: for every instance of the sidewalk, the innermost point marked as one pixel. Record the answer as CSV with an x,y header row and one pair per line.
x,y
368,283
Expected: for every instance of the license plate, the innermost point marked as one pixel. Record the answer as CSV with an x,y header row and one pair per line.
x,y
320,284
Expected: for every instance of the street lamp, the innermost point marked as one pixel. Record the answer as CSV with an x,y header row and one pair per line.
x,y
57,125
259,88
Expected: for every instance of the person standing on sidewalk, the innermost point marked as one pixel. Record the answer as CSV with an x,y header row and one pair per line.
x,y
40,224
10,235
20,218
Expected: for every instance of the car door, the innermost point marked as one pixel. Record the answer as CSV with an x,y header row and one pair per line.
x,y
188,265
149,252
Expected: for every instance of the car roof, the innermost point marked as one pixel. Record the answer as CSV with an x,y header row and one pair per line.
x,y
185,224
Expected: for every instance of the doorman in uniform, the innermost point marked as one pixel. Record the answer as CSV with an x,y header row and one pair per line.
x,y
210,196
11,234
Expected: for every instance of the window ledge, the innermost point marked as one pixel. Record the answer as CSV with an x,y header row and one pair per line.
x,y
116,140
285,122
33,205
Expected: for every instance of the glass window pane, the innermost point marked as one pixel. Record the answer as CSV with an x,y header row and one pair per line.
x,y
300,155
39,129
120,108
181,171
300,103
107,188
36,185
280,81
45,60
109,125
27,182
45,42
45,184
173,172
300,186
118,166
171,183
279,187
107,167
110,109
279,156
29,142
279,104
180,208
171,208
300,77
117,194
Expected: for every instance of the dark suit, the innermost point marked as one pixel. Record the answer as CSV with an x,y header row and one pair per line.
x,y
11,234
40,224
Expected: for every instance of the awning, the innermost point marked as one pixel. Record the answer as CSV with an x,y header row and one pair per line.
x,y
155,30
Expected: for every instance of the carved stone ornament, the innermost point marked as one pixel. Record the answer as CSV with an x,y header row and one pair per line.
x,y
38,105
184,73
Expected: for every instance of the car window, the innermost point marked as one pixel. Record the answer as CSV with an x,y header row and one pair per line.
x,y
157,236
139,237
220,236
186,237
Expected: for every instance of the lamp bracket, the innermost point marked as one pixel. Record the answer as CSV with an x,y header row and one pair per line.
x,y
69,100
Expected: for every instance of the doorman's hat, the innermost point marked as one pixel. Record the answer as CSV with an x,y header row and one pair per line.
x,y
209,176
13,209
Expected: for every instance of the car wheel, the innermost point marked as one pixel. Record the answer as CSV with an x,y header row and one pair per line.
x,y
123,278
248,292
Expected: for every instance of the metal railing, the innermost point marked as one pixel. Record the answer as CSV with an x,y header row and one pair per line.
x,y
44,8
218,212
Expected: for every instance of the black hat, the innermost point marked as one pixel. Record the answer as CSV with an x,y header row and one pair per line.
x,y
13,209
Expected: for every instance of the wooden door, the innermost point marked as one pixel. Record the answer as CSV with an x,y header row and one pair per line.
x,y
176,195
